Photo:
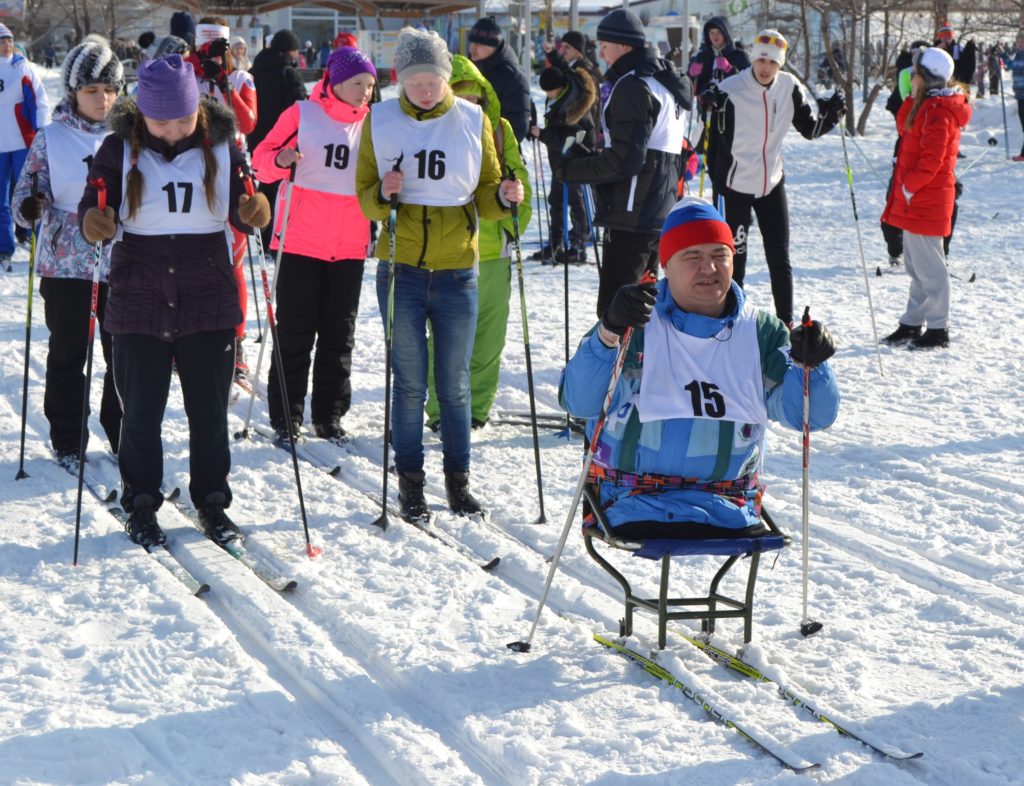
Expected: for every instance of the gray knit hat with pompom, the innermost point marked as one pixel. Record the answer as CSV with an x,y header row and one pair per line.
x,y
419,51
92,62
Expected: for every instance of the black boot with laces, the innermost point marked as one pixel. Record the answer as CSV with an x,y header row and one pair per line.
x,y
142,526
410,497
460,501
215,522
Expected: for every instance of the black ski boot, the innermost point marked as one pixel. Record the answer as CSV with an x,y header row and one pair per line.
x,y
332,431
410,497
281,433
215,522
460,501
69,459
142,527
902,335
933,338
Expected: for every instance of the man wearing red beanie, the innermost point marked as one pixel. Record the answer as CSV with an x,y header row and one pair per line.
x,y
704,373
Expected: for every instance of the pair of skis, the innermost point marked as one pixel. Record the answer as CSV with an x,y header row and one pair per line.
x,y
546,420
163,556
785,757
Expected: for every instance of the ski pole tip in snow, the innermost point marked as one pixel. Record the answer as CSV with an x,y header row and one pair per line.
x,y
810,627
992,141
519,646
313,551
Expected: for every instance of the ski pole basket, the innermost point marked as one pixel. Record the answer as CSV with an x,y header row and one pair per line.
x,y
707,608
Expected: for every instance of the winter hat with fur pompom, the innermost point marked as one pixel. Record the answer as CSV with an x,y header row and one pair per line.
x,y
92,62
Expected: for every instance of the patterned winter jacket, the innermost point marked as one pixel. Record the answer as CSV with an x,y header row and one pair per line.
x,y
700,450
61,249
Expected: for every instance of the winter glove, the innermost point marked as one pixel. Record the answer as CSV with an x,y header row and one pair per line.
x,y
712,99
99,225
254,210
696,68
722,64
217,48
32,208
577,150
631,307
812,344
833,107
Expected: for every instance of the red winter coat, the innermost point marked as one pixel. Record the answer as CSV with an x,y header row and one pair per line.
x,y
925,164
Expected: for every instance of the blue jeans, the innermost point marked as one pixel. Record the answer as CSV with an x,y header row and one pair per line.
x,y
448,300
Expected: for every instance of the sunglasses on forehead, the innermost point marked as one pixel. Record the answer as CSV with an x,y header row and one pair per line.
x,y
773,40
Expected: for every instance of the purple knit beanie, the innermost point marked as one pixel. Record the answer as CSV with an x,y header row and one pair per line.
x,y
167,88
346,63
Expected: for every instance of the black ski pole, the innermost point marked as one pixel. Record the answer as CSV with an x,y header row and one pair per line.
x,y
83,438
1002,98
383,521
544,196
255,296
268,295
541,194
28,333
808,626
311,550
542,519
620,359
590,208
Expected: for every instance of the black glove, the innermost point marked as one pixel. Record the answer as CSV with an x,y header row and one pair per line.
x,y
577,150
212,70
217,47
32,208
631,307
712,99
833,107
811,345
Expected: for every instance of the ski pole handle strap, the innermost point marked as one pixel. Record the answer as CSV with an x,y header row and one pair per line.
x,y
101,192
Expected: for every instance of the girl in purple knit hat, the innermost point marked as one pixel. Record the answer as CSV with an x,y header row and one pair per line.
x,y
171,178
325,243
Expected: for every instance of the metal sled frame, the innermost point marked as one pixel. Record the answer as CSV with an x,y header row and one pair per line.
x,y
711,607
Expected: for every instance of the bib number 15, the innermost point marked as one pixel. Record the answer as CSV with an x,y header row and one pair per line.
x,y
706,399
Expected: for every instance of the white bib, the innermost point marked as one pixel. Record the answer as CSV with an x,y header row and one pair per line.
x,y
173,198
442,157
69,154
669,128
689,377
329,151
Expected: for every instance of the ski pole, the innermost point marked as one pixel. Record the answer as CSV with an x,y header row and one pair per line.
x,y
541,519
620,359
588,206
860,244
1002,98
268,295
255,297
311,550
544,195
807,626
28,333
991,143
383,521
83,439
707,141
867,161
541,193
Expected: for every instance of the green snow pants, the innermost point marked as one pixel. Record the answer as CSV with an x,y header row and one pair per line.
x,y
494,288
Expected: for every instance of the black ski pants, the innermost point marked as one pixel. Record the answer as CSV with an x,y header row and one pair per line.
x,y
772,211
578,230
626,257
317,304
66,306
142,370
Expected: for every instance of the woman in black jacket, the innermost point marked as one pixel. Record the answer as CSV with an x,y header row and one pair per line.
x,y
278,86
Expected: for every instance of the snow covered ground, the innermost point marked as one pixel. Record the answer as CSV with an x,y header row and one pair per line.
x,y
388,665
